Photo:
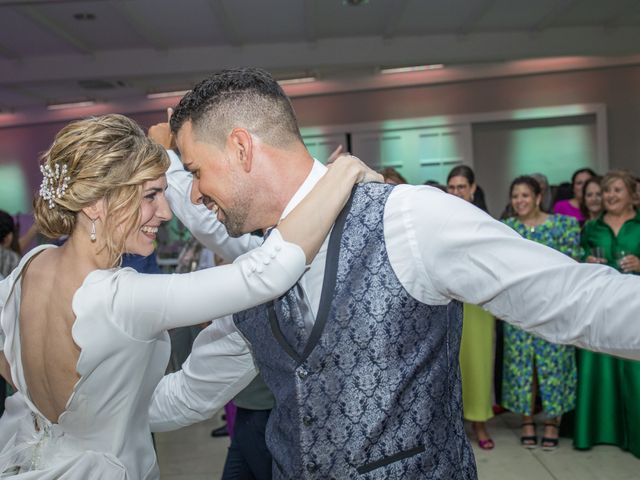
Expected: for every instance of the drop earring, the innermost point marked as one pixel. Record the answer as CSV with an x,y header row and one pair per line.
x,y
92,235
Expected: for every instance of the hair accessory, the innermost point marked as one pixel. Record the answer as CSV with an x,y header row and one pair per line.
x,y
54,183
92,235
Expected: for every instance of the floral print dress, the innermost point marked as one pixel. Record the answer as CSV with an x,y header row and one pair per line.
x,y
555,364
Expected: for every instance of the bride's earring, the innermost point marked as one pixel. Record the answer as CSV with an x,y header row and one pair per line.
x,y
92,235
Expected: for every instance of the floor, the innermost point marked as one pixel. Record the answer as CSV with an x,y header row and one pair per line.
x,y
192,454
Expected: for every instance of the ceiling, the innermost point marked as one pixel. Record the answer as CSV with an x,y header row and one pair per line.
x,y
115,52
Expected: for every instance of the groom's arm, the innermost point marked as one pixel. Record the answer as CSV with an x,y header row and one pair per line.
x,y
201,222
219,367
444,248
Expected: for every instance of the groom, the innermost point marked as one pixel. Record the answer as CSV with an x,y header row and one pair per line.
x,y
362,355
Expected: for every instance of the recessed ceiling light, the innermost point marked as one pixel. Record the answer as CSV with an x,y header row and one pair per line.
x,y
418,68
355,3
62,106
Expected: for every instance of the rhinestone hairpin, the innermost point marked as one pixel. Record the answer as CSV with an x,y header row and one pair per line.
x,y
54,183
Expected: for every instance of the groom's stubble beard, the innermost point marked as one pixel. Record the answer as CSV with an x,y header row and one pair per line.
x,y
235,217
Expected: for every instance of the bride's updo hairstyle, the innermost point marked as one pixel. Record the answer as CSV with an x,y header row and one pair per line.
x,y
107,157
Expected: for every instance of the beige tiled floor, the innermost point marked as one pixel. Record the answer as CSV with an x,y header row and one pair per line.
x,y
191,454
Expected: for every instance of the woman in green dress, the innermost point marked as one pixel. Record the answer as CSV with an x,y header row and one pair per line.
x,y
534,366
476,349
608,405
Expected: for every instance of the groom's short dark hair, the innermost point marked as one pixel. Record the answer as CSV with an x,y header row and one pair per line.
x,y
241,97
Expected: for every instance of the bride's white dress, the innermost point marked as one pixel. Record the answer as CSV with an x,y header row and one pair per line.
x,y
120,327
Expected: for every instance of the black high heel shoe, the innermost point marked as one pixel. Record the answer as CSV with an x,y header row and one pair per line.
x,y
529,441
549,444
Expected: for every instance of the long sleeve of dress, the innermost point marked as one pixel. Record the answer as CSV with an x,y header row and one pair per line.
x,y
201,222
145,305
219,367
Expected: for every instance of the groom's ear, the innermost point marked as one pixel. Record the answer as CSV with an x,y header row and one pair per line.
x,y
242,147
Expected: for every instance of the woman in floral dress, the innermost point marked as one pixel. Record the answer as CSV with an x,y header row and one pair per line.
x,y
534,366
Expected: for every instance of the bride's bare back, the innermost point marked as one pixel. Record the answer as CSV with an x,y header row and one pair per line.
x,y
49,354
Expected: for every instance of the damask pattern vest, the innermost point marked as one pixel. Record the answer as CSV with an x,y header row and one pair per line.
x,y
373,391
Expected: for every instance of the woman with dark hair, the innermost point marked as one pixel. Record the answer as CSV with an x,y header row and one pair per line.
x,y
476,348
591,204
571,207
608,387
530,363
8,258
392,176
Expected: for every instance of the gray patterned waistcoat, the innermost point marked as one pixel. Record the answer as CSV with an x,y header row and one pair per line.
x,y
374,391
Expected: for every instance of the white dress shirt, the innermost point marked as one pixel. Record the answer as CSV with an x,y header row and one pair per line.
x,y
442,248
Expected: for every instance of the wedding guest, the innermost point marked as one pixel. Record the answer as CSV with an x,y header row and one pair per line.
x,y
392,176
476,348
9,259
571,207
547,200
591,204
609,387
532,365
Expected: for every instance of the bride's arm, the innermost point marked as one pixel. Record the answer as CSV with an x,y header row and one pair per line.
x,y
309,223
145,305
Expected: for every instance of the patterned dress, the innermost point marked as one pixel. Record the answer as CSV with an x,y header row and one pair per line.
x,y
555,364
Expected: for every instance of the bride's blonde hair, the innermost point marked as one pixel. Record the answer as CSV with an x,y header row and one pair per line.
x,y
109,158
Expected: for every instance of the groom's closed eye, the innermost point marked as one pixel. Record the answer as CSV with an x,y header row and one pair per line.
x,y
195,173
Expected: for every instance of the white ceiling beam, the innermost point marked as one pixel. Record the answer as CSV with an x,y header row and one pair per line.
x,y
53,27
394,16
548,19
226,22
140,26
357,52
474,16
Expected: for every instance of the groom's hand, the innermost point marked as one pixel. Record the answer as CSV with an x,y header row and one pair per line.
x,y
161,133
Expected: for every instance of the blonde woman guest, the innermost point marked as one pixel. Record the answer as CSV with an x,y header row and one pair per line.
x,y
86,342
533,365
476,348
609,387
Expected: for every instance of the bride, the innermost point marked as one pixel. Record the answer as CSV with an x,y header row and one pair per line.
x,y
85,342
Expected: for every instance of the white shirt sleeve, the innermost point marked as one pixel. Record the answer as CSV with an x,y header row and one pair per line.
x,y
219,367
202,223
444,248
145,305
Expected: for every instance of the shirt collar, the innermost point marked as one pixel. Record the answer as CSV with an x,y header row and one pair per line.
x,y
317,172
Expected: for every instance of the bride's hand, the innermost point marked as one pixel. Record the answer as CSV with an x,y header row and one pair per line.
x,y
356,167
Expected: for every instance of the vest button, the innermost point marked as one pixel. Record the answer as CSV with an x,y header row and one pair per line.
x,y
302,373
312,467
307,420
